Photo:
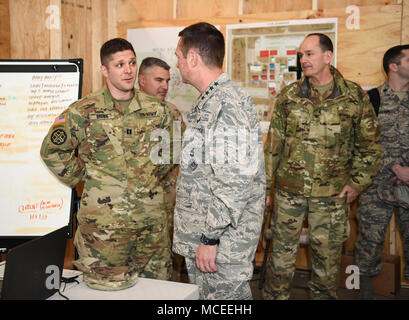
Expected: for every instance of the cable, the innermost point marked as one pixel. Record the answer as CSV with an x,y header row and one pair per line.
x,y
59,292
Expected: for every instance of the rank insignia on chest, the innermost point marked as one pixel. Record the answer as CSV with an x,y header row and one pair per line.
x,y
100,116
147,114
192,165
58,137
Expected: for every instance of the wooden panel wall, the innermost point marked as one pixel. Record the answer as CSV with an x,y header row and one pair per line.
x,y
86,24
4,30
29,36
405,22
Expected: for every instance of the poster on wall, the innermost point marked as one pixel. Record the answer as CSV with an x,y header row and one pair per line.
x,y
161,43
262,57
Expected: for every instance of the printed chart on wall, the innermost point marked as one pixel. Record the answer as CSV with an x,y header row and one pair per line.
x,y
262,57
161,43
32,94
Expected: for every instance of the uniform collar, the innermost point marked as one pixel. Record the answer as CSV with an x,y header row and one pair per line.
x,y
142,99
211,89
385,87
339,86
109,103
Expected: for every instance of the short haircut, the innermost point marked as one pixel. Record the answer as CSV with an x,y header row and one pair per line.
x,y
393,55
208,41
324,41
113,46
150,62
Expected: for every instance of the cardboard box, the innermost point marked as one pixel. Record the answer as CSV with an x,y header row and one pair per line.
x,y
386,283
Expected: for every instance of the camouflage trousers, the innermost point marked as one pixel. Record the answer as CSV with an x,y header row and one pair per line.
x,y
218,285
328,228
113,259
373,217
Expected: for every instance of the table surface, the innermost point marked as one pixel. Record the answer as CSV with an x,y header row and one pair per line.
x,y
144,289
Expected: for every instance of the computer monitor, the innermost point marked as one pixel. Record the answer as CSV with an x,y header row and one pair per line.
x,y
33,270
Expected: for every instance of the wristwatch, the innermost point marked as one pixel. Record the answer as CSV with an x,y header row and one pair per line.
x,y
209,242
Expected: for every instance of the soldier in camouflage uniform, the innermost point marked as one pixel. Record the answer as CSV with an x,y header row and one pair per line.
x,y
104,140
373,213
153,79
323,150
221,184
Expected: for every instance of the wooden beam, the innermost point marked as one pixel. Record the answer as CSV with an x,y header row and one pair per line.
x,y
4,29
405,22
98,37
54,11
112,18
29,36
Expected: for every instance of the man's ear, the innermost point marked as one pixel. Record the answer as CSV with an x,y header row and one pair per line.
x,y
104,71
141,81
328,56
393,67
193,57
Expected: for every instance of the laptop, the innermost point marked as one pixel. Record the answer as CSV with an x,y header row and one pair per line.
x,y
33,270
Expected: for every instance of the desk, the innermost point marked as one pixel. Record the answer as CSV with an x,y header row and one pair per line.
x,y
144,289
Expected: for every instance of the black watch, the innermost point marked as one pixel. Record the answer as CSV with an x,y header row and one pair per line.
x,y
209,242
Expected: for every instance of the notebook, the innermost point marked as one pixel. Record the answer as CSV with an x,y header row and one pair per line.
x,y
33,270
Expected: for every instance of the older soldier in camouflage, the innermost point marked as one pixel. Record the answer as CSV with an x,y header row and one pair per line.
x,y
153,79
221,184
104,140
374,213
323,150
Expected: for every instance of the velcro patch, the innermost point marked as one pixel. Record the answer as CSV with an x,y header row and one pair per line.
x,y
60,119
58,137
147,114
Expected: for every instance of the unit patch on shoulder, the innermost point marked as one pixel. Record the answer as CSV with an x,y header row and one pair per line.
x,y
58,137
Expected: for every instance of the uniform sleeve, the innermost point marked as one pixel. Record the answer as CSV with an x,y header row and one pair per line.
x,y
275,142
367,148
232,182
178,128
58,149
165,165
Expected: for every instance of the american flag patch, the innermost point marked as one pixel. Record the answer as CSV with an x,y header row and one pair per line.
x,y
60,119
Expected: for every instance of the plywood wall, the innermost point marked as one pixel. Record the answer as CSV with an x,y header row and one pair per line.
x,y
4,30
86,24
76,30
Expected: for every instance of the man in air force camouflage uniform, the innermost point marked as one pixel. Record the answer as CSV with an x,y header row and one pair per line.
x,y
323,149
373,213
219,194
104,140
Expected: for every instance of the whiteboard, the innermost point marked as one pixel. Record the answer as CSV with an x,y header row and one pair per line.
x,y
33,202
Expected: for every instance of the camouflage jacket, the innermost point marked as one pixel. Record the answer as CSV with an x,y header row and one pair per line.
x,y
220,193
393,120
107,148
314,147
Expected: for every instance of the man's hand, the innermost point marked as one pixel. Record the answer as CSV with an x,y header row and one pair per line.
x,y
351,194
206,258
268,201
402,173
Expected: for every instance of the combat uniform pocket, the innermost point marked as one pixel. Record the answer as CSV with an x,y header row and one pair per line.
x,y
144,142
330,127
104,140
340,228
